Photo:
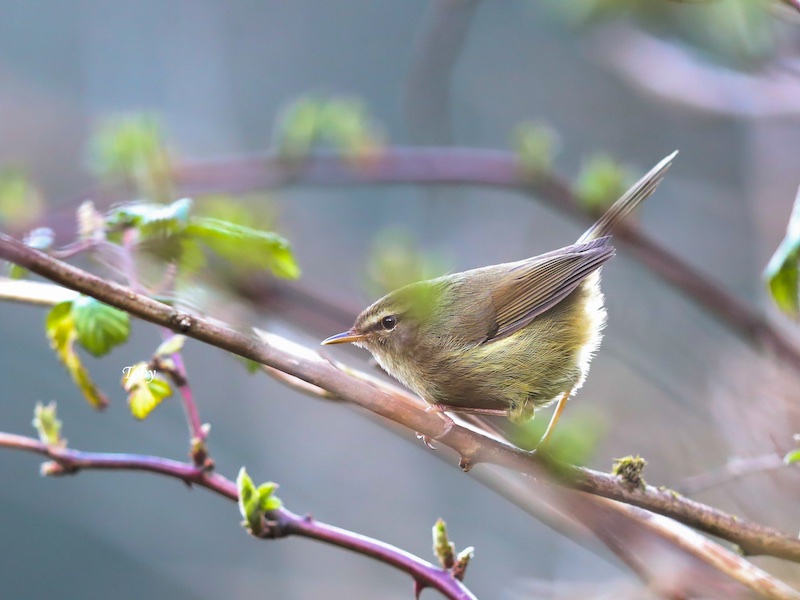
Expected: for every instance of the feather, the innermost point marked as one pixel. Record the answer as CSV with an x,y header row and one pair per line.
x,y
536,285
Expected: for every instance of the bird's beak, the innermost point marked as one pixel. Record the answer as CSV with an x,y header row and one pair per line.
x,y
344,338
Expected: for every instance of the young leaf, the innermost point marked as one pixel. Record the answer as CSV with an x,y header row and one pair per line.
x,y
133,147
267,500
47,424
171,345
145,389
249,503
535,145
781,273
243,245
462,562
60,329
99,327
152,219
443,548
91,224
601,181
21,203
298,127
792,457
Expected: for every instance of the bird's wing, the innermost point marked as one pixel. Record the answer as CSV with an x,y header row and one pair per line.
x,y
538,284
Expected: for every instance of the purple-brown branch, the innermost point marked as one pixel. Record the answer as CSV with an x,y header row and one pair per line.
x,y
399,407
67,461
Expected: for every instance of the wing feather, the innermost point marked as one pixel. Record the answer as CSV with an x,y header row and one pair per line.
x,y
537,285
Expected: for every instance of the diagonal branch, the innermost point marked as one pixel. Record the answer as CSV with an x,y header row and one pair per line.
x,y
401,407
67,462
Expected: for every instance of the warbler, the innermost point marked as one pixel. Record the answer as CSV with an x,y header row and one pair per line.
x,y
505,339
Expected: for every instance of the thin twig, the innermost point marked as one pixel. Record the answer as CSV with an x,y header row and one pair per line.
x,y
68,461
489,168
381,400
177,372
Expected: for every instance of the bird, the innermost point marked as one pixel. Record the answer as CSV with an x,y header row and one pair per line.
x,y
505,339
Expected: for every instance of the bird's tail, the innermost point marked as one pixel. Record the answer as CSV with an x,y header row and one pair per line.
x,y
629,201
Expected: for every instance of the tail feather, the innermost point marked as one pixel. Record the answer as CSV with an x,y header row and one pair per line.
x,y
629,201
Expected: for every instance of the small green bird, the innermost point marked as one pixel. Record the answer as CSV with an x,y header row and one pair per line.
x,y
504,339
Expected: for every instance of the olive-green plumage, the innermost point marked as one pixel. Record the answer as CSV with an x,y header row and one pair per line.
x,y
506,338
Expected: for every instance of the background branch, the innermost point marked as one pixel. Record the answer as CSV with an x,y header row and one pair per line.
x,y
734,469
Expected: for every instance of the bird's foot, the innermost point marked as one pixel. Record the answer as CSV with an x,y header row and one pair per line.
x,y
448,425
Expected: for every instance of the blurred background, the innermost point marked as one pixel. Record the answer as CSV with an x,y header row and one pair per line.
x,y
720,82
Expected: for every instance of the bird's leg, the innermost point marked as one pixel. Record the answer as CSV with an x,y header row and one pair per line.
x,y
562,402
448,425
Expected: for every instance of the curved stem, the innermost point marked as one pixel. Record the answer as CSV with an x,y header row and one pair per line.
x,y
67,461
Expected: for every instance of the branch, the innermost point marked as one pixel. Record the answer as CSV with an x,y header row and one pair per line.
x,y
437,47
401,407
69,462
489,168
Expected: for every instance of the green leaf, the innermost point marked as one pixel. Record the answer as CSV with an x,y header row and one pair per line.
x,y
396,260
61,331
535,145
792,457
249,503
781,273
191,258
782,278
346,124
173,345
17,272
266,499
601,181
153,219
298,128
574,441
146,389
21,203
243,245
250,365
99,327
133,147
47,424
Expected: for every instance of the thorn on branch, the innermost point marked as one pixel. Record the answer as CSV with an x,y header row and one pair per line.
x,y
54,468
418,587
181,321
466,463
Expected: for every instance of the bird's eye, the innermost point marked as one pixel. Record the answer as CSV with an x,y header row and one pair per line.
x,y
389,323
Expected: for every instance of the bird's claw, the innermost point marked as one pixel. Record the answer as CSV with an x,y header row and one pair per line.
x,y
448,425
